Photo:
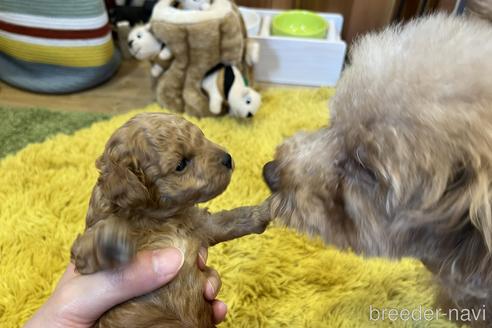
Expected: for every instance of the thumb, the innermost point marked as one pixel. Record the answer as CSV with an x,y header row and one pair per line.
x,y
148,271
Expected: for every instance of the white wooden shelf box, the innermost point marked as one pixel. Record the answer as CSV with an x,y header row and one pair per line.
x,y
299,61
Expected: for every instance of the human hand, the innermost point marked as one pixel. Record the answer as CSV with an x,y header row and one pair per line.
x,y
79,300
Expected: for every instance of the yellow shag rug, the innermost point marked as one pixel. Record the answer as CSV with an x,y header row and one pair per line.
x,y
278,279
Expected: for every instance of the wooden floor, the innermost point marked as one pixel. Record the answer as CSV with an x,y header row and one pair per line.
x,y
128,89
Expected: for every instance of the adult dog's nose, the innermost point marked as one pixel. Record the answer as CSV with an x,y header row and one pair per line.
x,y
227,161
271,175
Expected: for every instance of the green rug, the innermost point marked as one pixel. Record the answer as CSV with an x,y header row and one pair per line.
x,y
20,127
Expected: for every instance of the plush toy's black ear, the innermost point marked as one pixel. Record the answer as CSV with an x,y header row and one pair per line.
x,y
229,78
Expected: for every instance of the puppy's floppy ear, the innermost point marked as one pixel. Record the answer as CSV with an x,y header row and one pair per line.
x,y
122,181
480,208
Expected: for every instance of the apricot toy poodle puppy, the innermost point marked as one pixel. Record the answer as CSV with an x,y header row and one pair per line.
x,y
153,172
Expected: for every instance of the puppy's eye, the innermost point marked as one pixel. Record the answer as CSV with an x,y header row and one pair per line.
x,y
139,35
182,165
248,101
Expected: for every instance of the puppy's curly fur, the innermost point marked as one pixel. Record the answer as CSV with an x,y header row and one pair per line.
x,y
405,169
153,171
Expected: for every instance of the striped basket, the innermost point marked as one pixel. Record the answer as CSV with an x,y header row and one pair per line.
x,y
55,46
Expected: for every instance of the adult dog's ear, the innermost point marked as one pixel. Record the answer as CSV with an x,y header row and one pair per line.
x,y
122,181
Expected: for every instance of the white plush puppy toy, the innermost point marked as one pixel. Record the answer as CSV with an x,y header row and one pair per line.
x,y
225,85
144,45
195,4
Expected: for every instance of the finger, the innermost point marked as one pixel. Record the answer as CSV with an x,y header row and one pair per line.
x,y
202,258
103,290
219,310
212,285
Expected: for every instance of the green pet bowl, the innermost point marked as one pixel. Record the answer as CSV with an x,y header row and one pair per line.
x,y
300,24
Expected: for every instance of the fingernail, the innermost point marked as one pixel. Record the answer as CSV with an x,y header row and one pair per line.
x,y
221,309
167,261
202,253
224,306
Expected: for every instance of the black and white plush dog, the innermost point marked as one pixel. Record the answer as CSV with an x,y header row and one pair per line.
x,y
226,87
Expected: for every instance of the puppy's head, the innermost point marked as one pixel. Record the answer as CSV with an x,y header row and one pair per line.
x,y
161,161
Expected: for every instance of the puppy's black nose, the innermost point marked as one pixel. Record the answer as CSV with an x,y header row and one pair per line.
x,y
227,161
130,43
271,176
249,114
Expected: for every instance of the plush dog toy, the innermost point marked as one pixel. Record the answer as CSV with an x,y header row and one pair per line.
x,y
195,4
226,86
144,45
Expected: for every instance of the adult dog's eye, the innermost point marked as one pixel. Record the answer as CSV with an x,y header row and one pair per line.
x,y
360,169
460,178
182,165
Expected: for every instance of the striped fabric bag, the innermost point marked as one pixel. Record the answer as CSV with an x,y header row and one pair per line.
x,y
55,46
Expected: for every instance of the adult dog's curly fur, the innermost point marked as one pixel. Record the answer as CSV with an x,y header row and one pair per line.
x,y
405,168
153,171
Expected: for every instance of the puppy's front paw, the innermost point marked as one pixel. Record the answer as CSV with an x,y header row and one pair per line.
x,y
114,247
261,217
83,255
105,245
